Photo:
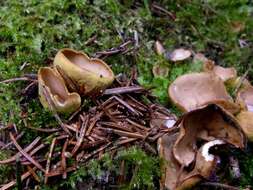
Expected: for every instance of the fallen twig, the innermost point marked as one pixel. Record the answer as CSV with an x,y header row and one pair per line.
x,y
27,149
63,159
224,186
16,79
13,182
49,160
123,90
28,157
120,49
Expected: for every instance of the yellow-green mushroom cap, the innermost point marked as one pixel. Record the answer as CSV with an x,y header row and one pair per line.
x,y
90,75
54,94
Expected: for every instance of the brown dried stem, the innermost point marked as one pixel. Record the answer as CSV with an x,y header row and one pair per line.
x,y
49,160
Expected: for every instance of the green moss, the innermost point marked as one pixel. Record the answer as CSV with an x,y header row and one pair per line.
x,y
5,170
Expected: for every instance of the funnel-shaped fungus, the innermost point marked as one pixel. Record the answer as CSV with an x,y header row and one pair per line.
x,y
245,98
90,75
210,122
54,94
245,119
192,91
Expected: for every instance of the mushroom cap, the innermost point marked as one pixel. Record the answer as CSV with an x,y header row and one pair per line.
x,y
191,91
222,72
160,71
171,169
179,54
245,119
245,98
90,75
225,73
52,88
159,48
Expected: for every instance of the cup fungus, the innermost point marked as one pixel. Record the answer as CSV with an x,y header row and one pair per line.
x,y
222,72
245,98
90,75
54,94
159,48
179,55
245,119
172,176
192,91
176,177
209,122
160,71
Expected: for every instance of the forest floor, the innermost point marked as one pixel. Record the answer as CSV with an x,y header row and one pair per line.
x,y
32,31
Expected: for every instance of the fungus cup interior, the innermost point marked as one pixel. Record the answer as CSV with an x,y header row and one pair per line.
x,y
210,122
192,91
96,66
54,83
172,176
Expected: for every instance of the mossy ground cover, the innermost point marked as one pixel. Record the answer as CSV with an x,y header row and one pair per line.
x,y
32,31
